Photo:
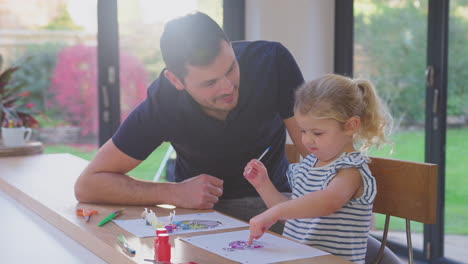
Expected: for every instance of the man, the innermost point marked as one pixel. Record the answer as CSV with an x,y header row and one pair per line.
x,y
220,105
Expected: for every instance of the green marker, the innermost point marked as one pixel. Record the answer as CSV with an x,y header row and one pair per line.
x,y
111,216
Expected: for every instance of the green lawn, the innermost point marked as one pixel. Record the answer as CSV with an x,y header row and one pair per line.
x,y
408,145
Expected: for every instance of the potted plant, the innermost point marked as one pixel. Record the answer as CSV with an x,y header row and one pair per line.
x,y
15,111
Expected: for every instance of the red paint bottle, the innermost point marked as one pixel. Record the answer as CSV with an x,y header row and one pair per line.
x,y
163,251
158,231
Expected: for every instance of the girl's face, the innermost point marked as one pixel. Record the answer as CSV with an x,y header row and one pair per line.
x,y
326,138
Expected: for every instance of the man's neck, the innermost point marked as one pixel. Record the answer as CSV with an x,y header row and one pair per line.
x,y
219,115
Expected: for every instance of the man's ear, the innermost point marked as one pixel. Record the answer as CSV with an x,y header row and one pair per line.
x,y
352,125
174,80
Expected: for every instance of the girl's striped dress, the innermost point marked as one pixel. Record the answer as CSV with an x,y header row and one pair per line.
x,y
344,232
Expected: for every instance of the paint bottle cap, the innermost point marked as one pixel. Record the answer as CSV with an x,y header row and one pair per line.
x,y
160,230
163,237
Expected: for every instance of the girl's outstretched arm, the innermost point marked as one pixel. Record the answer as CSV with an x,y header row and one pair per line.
x,y
346,185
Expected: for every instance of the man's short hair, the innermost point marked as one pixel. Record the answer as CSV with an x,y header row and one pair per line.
x,y
191,39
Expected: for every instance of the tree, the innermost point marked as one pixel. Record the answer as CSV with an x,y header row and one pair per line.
x,y
62,21
458,59
74,85
391,44
37,64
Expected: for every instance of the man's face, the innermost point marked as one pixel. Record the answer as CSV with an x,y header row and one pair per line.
x,y
215,86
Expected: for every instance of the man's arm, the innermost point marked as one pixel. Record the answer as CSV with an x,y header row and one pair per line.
x,y
104,180
295,134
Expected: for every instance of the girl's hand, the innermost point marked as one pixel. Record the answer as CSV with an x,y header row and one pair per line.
x,y
256,173
260,224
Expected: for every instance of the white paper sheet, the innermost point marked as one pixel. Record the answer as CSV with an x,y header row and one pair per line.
x,y
139,228
276,249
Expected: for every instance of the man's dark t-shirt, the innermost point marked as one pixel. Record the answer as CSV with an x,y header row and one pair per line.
x,y
269,76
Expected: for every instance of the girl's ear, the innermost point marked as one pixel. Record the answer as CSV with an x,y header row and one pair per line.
x,y
352,125
174,80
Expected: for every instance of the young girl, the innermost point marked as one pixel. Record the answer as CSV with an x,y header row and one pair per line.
x,y
332,188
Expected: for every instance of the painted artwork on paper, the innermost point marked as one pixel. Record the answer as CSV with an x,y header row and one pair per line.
x,y
179,224
268,249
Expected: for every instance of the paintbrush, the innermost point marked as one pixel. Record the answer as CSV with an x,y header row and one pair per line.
x,y
124,243
261,156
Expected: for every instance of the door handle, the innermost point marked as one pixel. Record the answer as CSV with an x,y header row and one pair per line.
x,y
430,83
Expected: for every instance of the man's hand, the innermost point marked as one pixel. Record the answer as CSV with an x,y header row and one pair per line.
x,y
260,224
199,192
256,173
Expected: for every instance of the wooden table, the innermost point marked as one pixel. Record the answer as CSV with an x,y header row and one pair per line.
x,y
44,184
28,238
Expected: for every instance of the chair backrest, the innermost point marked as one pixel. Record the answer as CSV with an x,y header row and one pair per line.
x,y
292,155
405,189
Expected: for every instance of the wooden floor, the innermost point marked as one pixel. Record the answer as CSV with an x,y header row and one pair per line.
x,y
455,245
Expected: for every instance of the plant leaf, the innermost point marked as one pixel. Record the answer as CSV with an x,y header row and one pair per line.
x,y
10,112
11,91
5,79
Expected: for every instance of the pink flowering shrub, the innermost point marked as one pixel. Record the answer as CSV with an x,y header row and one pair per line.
x,y
74,85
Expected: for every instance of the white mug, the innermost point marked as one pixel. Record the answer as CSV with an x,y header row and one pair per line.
x,y
15,136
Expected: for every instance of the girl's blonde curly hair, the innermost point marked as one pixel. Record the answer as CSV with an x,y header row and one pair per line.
x,y
340,98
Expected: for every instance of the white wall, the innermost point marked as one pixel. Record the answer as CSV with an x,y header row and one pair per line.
x,y
305,27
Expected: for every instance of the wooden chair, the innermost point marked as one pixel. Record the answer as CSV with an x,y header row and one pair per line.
x,y
407,190
292,155
404,189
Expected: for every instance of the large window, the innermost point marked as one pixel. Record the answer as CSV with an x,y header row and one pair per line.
x,y
54,44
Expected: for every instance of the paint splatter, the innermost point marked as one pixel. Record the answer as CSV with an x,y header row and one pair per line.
x,y
242,244
197,224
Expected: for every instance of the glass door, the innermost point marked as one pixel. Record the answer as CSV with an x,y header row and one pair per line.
x,y
456,182
390,50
